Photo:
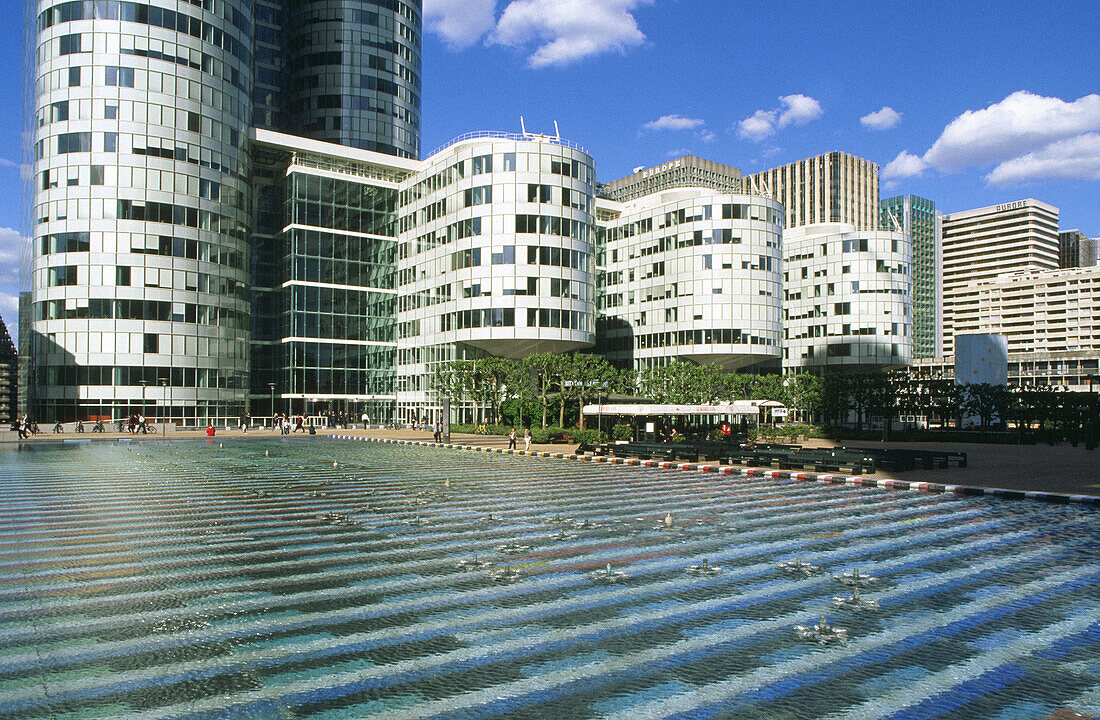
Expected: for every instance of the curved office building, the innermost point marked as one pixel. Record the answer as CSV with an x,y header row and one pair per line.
x,y
352,74
141,258
691,274
495,256
848,299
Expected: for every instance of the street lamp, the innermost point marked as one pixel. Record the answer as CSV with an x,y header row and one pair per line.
x,y
144,409
271,386
164,394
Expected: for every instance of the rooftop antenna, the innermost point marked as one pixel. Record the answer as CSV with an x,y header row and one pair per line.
x,y
522,127
557,133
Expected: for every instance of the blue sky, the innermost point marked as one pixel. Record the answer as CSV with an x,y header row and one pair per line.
x,y
968,104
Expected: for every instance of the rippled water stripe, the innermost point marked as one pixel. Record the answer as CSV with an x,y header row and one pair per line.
x,y
238,546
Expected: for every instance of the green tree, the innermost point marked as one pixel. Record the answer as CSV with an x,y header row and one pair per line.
x,y
493,374
545,370
805,392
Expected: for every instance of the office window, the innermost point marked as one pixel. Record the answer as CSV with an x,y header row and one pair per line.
x,y
69,44
122,275
119,76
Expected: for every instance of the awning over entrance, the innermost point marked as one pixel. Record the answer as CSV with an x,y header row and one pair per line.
x,y
738,407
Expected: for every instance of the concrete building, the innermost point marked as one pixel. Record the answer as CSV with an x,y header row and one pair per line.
x,y
1075,249
1054,311
829,188
981,244
690,274
687,171
918,218
847,298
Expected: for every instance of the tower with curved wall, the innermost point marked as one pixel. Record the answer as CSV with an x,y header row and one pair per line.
x,y
494,257
140,208
691,274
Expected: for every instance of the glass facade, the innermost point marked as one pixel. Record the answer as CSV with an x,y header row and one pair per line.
x,y
140,298
335,295
352,74
917,217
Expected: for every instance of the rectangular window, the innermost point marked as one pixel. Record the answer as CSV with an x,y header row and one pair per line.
x,y
74,142
69,44
74,77
509,162
111,112
122,275
482,164
119,76
844,308
507,256
110,142
152,343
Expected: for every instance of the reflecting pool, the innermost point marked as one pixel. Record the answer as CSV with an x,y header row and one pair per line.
x,y
328,579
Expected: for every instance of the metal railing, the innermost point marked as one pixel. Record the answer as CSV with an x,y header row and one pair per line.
x,y
498,134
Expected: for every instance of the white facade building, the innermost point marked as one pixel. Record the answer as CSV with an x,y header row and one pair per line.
x,y
847,299
981,244
1044,312
690,274
495,257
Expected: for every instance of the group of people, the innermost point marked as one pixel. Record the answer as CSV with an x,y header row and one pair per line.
x,y
512,437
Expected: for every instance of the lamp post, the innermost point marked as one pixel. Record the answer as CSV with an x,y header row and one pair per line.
x,y
164,394
144,409
271,386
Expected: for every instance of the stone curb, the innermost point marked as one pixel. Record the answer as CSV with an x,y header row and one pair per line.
x,y
854,481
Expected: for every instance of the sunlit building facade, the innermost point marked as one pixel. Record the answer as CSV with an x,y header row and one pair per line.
x,y
847,299
690,274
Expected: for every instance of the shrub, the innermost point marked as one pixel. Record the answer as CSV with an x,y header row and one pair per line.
x,y
622,431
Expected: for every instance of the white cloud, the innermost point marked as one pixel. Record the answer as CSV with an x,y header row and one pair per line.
x,y
9,309
883,119
1021,124
798,110
4,162
566,31
707,136
793,110
1076,158
12,247
904,165
673,122
460,22
757,126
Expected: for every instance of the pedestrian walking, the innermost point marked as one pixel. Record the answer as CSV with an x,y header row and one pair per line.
x,y
527,439
512,439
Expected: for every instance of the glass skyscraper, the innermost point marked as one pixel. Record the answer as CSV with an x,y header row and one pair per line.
x,y
149,222
917,217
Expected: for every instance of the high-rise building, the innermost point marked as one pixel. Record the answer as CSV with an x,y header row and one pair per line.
x,y
847,298
1048,312
1075,249
9,377
141,219
918,218
151,222
980,244
834,187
